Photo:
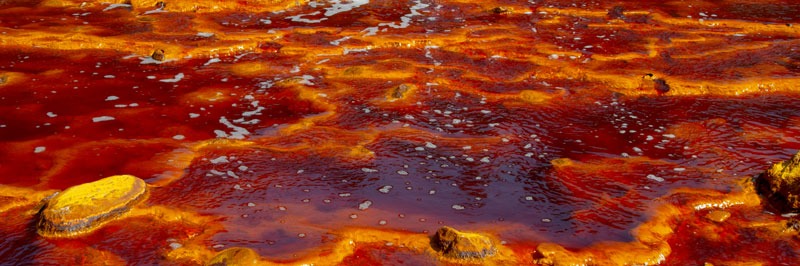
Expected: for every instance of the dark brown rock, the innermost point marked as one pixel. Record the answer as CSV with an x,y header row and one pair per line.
x,y
462,245
500,10
661,85
616,12
650,81
158,55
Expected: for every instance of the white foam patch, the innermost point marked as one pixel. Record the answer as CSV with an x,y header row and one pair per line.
x,y
146,60
39,149
178,77
343,6
339,41
154,11
241,121
219,160
113,6
299,18
232,174
655,178
237,133
102,118
205,34
371,31
364,205
257,111
112,98
212,60
405,20
306,80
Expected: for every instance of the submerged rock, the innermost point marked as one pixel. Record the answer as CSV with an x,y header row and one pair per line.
x,y
235,256
616,12
535,97
86,207
500,10
718,216
400,92
461,245
781,185
793,225
650,81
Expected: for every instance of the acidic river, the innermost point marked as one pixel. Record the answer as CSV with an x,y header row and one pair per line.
x,y
349,132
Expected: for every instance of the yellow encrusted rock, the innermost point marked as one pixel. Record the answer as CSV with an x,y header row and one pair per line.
x,y
84,208
235,256
781,184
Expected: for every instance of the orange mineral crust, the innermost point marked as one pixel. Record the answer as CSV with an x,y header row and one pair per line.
x,y
357,132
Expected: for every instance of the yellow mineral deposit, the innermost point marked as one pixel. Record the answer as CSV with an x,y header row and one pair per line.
x,y
8,78
650,248
86,207
463,248
15,197
534,97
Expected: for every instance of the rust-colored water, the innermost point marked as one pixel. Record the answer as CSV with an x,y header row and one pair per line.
x,y
285,126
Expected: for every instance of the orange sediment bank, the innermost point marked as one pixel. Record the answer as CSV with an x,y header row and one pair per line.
x,y
385,133
650,247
